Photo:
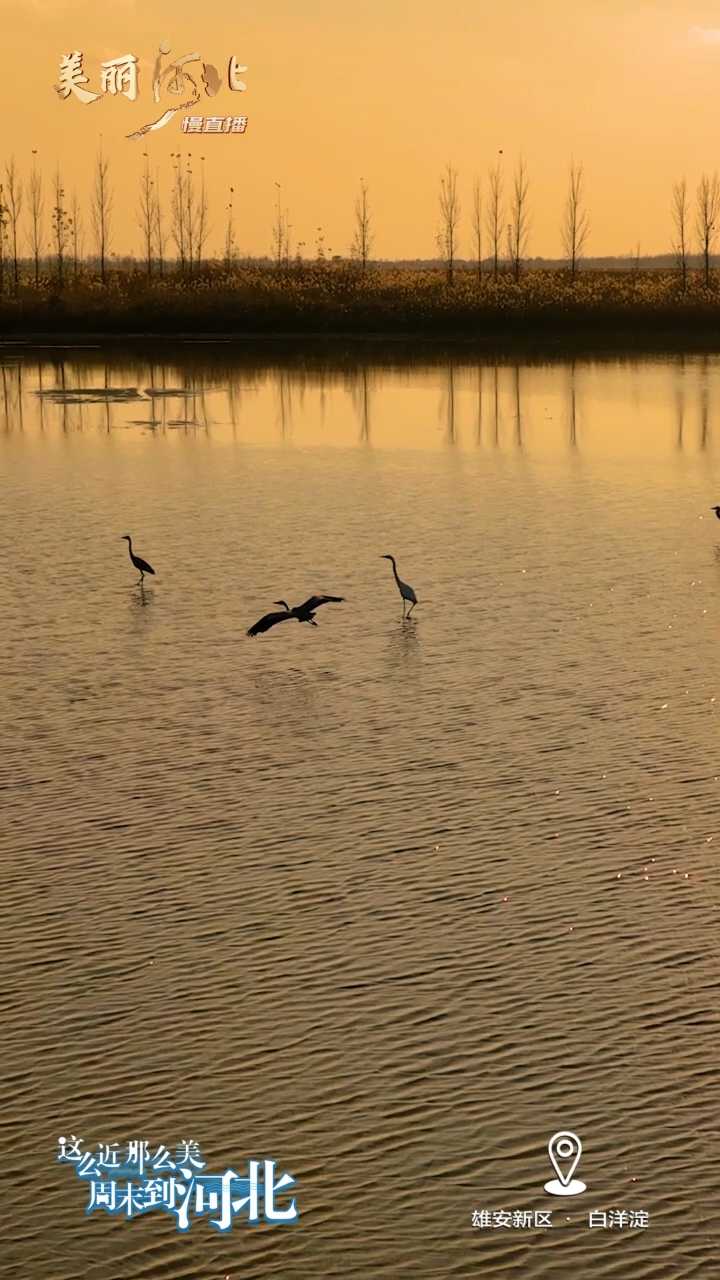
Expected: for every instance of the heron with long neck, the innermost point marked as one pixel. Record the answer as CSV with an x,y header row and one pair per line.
x,y
304,612
404,588
139,563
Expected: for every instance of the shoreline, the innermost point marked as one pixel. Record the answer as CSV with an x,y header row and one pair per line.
x,y
397,344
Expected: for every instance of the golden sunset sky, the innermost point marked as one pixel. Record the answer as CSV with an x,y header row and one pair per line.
x,y
391,91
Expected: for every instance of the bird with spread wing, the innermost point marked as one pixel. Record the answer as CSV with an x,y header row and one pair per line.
x,y
302,612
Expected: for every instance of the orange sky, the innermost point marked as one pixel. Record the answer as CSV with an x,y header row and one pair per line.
x,y
391,91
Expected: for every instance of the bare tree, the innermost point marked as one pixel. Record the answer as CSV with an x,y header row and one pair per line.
x,y
177,210
36,215
680,226
495,213
159,224
519,218
576,223
477,226
279,237
190,215
77,234
202,216
230,232
4,221
14,199
60,225
708,207
146,213
449,219
101,211
362,241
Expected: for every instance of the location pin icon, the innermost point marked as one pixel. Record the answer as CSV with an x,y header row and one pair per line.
x,y
565,1149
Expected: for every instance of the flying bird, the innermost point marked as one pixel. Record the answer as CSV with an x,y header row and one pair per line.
x,y
717,511
405,590
139,563
303,612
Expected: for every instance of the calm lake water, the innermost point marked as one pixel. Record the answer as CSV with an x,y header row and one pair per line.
x,y
388,902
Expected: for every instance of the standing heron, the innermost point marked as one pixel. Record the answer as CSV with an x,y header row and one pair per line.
x,y
139,563
303,612
405,590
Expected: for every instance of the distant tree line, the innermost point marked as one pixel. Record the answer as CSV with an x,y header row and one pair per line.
x,y
175,231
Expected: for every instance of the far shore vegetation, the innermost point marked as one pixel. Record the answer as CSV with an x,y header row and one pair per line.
x,y
310,302
60,276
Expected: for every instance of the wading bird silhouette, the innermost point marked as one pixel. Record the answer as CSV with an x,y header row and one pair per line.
x,y
405,590
303,612
139,563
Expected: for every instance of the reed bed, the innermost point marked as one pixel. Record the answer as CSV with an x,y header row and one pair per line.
x,y
337,298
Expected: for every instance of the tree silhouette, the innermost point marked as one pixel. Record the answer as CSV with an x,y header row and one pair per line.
x,y
101,210
576,223
495,213
363,238
449,220
477,226
519,218
708,207
14,198
36,215
680,225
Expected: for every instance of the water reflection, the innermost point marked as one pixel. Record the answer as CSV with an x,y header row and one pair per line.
x,y
509,406
680,404
284,413
12,398
518,410
704,414
360,386
403,652
448,407
572,406
141,595
496,403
